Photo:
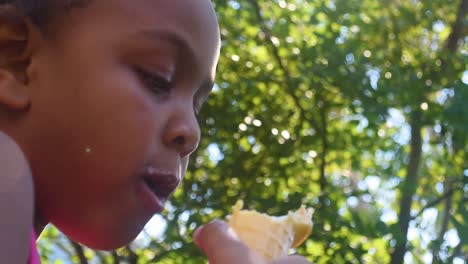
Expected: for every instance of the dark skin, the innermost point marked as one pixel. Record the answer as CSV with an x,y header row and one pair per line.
x,y
112,93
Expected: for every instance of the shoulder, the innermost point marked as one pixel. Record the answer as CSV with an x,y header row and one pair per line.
x,y
16,202
13,164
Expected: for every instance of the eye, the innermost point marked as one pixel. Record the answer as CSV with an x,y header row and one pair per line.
x,y
156,83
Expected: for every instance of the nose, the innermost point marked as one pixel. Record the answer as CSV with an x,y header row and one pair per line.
x,y
182,132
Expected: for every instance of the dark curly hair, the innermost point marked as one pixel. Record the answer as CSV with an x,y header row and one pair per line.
x,y
40,11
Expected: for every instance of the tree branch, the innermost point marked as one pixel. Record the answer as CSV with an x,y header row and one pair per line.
x,y
321,130
132,256
445,221
457,27
455,253
409,186
79,252
434,203
323,156
282,66
115,257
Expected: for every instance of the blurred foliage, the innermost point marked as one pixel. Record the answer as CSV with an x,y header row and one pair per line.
x,y
318,103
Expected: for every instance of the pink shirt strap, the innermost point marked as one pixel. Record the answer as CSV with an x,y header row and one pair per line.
x,y
33,252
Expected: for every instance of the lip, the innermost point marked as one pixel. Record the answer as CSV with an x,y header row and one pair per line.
x,y
156,186
150,200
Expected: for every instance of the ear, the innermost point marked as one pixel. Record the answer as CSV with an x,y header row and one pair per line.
x,y
14,59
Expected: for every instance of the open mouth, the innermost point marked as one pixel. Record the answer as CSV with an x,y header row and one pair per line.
x,y
156,186
156,189
162,185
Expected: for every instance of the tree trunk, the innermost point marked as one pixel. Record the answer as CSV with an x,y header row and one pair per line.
x,y
132,256
323,156
408,188
445,220
115,257
458,27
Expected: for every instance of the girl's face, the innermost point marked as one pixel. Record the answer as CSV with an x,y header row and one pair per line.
x,y
114,96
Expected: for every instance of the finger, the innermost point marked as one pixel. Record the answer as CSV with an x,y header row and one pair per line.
x,y
221,245
293,259
211,235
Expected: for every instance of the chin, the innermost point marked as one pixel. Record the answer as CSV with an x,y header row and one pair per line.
x,y
104,240
106,244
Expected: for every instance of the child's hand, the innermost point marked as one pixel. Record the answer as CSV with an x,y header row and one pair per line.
x,y
222,246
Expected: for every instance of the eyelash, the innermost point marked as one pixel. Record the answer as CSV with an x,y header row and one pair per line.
x,y
160,85
155,83
196,109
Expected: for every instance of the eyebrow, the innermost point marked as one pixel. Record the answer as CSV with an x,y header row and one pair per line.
x,y
169,36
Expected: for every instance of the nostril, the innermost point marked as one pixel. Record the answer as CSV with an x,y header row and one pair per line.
x,y
182,138
179,141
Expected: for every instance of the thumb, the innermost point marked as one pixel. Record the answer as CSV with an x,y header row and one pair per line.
x,y
221,244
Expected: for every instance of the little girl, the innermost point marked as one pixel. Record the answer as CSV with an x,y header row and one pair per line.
x,y
98,106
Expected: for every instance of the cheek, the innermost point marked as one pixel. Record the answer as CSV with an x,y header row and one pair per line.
x,y
123,125
106,120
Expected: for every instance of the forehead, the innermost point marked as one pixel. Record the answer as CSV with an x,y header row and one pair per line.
x,y
193,16
192,20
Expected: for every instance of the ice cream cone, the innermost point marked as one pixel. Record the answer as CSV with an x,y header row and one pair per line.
x,y
270,236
